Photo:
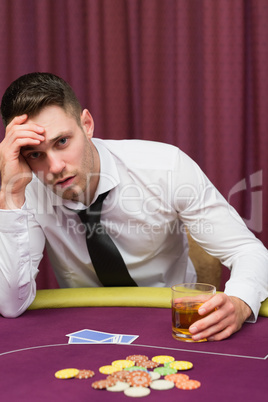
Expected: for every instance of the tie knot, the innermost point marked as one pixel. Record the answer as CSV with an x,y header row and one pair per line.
x,y
97,205
92,214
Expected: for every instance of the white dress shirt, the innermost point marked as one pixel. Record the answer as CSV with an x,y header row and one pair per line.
x,y
156,191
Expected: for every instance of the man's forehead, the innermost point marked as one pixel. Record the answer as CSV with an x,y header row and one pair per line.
x,y
55,121
48,140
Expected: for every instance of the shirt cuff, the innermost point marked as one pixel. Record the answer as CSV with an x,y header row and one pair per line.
x,y
248,295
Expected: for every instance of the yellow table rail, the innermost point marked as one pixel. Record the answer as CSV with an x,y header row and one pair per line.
x,y
100,297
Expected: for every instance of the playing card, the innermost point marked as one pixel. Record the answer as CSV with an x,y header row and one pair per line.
x,y
91,336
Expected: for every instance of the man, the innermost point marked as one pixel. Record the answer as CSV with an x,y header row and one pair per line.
x,y
52,168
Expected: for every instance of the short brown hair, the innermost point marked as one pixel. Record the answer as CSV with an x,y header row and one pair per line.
x,y
30,93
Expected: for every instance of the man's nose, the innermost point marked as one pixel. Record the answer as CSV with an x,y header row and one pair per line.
x,y
55,163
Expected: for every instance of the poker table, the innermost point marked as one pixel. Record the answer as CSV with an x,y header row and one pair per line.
x,y
34,346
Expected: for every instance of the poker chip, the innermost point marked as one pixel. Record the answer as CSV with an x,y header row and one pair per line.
x,y
85,374
148,364
66,373
121,375
108,369
181,365
163,359
136,368
139,379
118,387
162,385
137,358
138,372
121,364
137,392
104,384
188,385
154,375
165,370
176,377
167,364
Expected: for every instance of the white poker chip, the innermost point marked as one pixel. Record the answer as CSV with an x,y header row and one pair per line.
x,y
154,375
118,387
162,384
137,392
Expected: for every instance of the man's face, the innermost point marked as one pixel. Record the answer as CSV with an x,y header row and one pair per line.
x,y
66,160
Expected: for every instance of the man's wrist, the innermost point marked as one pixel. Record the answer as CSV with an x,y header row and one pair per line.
x,y
244,307
11,201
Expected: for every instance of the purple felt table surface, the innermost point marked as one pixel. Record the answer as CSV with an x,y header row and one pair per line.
x,y
34,346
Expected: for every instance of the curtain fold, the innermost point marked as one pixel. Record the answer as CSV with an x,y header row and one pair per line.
x,y
192,73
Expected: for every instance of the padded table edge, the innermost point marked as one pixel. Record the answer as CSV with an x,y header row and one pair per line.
x,y
115,296
99,297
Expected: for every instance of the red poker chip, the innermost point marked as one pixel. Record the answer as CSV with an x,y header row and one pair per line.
x,y
176,377
147,364
188,384
121,375
85,374
138,372
103,384
139,379
137,358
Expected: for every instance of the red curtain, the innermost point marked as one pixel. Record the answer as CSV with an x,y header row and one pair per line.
x,y
192,73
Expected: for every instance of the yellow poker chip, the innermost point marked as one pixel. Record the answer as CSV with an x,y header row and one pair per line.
x,y
66,373
108,369
181,365
121,364
163,359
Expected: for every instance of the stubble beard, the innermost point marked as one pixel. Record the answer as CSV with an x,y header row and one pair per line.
x,y
82,192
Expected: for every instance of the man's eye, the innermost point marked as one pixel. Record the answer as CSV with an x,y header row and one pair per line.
x,y
62,141
34,155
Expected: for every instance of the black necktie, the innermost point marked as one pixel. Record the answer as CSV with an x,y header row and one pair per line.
x,y
106,259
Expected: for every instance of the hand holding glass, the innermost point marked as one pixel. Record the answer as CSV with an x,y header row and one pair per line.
x,y
186,300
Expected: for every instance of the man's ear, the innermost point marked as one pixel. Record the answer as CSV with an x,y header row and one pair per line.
x,y
87,123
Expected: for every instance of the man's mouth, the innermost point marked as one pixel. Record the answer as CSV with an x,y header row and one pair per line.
x,y
65,182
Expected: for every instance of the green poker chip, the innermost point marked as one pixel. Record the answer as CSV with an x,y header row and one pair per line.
x,y
136,368
165,370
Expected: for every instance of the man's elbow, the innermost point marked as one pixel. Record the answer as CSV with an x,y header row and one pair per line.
x,y
9,312
13,303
